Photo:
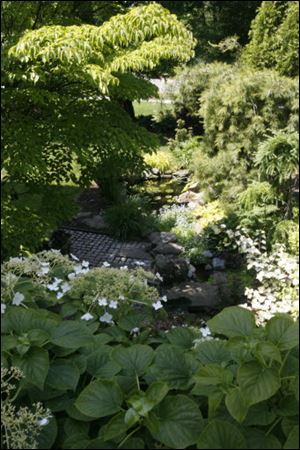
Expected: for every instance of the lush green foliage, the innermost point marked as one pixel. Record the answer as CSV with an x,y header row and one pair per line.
x,y
70,84
129,218
191,83
240,108
287,233
84,61
43,207
107,388
275,38
163,160
213,21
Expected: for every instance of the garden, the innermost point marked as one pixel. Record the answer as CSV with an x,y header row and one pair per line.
x,y
150,225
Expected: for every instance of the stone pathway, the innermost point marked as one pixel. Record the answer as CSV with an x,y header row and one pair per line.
x,y
97,248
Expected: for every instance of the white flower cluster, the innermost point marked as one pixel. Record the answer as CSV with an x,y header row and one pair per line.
x,y
277,276
205,335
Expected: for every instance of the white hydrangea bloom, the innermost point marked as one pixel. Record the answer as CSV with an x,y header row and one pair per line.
x,y
87,316
102,302
106,318
158,305
18,299
113,304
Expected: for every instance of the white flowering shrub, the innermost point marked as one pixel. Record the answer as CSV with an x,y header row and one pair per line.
x,y
97,373
276,273
54,280
20,427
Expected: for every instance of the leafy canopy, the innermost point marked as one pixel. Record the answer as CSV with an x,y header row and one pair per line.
x,y
275,38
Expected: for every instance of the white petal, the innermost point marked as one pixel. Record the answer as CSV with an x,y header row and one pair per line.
x,y
18,298
113,304
106,318
43,422
157,305
102,302
87,316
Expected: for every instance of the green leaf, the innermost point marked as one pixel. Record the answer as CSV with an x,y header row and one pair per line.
x,y
237,404
179,422
133,443
214,401
156,392
268,351
38,337
292,441
212,352
257,383
174,367
127,384
99,443
22,320
100,399
8,342
35,366
288,423
134,360
233,321
63,375
47,435
260,414
100,365
221,434
73,427
115,428
131,417
132,320
258,439
213,374
60,403
181,337
80,362
283,332
71,334
76,442
288,406
74,413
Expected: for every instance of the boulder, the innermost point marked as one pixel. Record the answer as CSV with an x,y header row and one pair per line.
x,y
168,249
196,296
218,263
181,174
172,268
205,296
155,171
194,198
157,237
95,222
194,186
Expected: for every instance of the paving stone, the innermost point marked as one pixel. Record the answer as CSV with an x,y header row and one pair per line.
x,y
98,248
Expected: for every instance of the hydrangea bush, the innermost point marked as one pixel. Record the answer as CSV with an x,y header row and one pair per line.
x,y
276,273
98,374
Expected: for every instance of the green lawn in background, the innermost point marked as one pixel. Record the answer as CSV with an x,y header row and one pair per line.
x,y
145,108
